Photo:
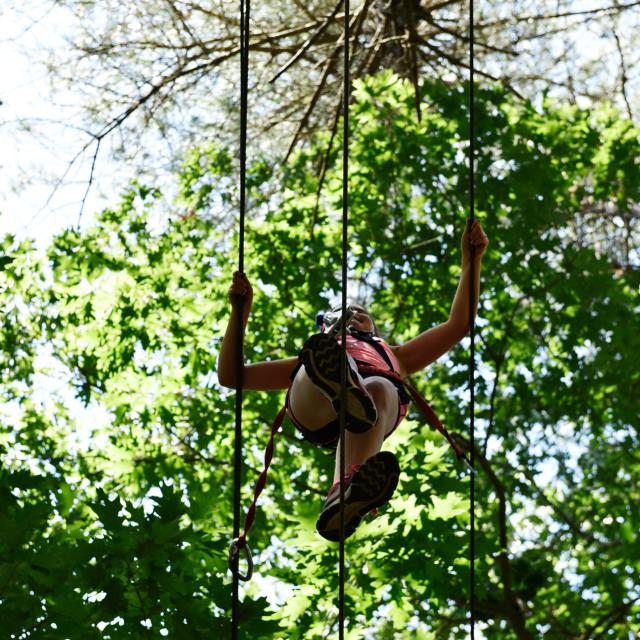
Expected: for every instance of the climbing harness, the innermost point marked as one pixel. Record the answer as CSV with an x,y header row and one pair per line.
x,y
240,545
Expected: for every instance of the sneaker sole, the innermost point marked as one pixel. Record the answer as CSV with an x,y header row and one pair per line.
x,y
321,356
371,487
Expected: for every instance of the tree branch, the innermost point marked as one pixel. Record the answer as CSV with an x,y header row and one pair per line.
x,y
623,73
319,31
610,618
616,8
514,612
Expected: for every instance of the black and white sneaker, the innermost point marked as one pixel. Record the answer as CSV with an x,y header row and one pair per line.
x,y
368,486
321,356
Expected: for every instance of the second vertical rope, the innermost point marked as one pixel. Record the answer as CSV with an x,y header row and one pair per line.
x,y
472,324
244,90
343,363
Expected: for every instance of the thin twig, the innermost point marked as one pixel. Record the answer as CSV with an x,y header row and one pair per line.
x,y
413,59
319,31
565,14
325,164
90,181
623,73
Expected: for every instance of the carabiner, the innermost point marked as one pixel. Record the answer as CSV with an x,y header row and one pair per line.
x,y
234,559
335,319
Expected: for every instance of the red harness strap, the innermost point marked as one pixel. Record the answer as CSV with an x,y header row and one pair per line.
x,y
240,543
423,405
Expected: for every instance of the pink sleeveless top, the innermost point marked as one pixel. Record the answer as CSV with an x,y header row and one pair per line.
x,y
365,353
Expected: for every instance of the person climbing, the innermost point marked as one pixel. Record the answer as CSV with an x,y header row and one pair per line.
x,y
376,401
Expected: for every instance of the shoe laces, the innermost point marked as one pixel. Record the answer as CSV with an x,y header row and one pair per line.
x,y
351,469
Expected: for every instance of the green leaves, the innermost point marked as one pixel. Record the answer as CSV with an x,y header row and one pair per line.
x,y
107,511
451,506
116,440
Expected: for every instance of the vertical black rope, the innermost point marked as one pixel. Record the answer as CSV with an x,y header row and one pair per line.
x,y
244,89
245,7
472,328
343,363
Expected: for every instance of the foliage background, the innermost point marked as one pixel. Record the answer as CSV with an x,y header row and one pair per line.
x,y
97,93
116,484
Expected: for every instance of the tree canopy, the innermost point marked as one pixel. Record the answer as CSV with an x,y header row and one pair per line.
x,y
149,80
116,439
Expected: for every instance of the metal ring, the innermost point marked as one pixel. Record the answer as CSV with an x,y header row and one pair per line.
x,y
234,559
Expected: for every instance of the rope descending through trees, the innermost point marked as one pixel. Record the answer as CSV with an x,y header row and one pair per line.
x,y
235,548
343,361
472,331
